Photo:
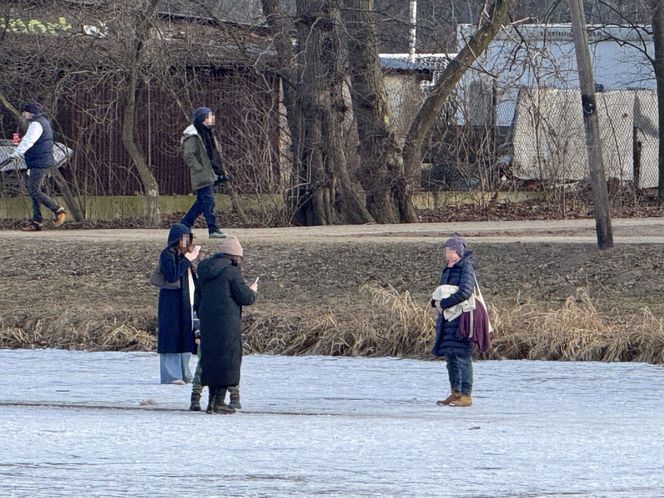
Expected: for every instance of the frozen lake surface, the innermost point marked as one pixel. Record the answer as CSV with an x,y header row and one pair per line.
x,y
76,423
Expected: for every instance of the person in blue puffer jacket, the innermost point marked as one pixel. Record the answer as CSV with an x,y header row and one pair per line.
x,y
458,271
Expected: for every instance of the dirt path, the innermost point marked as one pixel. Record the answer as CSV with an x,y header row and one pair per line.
x,y
638,231
88,281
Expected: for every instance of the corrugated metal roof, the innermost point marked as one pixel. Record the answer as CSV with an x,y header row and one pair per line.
x,y
419,63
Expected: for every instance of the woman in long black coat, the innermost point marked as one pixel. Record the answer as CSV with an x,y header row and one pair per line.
x,y
220,295
175,335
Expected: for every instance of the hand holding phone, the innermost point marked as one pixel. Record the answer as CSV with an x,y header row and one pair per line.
x,y
254,286
193,254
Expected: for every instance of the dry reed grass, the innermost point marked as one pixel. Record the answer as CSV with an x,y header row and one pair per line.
x,y
76,330
577,331
392,324
399,326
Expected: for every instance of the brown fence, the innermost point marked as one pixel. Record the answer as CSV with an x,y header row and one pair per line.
x,y
91,124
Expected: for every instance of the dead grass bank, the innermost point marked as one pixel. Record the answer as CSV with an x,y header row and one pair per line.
x,y
394,324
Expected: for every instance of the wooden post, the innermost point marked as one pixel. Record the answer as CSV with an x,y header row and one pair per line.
x,y
591,123
657,10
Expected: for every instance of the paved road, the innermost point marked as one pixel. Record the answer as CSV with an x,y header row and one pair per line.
x,y
632,231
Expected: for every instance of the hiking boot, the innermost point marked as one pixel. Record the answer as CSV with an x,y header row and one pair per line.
x,y
195,405
235,398
33,226
223,409
463,401
452,397
217,234
60,217
220,405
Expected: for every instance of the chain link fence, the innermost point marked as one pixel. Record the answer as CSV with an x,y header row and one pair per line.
x,y
488,143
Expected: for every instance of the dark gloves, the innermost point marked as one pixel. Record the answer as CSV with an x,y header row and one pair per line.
x,y
221,179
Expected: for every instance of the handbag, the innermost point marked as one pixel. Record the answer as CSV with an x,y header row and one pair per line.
x,y
474,324
158,280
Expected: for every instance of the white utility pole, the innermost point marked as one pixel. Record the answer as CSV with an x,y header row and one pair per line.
x,y
413,30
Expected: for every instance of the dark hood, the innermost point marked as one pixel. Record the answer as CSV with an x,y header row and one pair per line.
x,y
176,232
211,267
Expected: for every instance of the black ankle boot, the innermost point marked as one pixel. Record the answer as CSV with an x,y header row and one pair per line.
x,y
220,402
212,396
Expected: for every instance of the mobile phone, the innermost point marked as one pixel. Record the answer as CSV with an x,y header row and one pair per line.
x,y
197,248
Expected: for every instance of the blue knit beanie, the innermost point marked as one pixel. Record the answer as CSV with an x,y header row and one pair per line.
x,y
199,114
457,244
31,107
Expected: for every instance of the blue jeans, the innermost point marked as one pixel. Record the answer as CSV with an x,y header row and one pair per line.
x,y
174,366
204,205
36,180
460,372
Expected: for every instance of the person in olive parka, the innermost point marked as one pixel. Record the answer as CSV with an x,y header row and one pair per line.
x,y
201,153
221,293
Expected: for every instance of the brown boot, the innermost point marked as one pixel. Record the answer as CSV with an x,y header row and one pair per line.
x,y
60,217
452,397
462,401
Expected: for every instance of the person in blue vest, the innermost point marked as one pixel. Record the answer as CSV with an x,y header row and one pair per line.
x,y
36,148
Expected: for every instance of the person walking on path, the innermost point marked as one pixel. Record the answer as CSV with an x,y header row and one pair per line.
x,y
200,151
220,296
175,334
36,148
458,271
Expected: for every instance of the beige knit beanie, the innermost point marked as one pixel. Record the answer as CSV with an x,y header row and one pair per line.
x,y
231,246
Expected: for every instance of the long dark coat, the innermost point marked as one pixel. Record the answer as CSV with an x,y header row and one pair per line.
x,y
220,295
463,275
174,324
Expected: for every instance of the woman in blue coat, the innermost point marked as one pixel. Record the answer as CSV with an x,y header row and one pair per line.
x,y
175,335
458,271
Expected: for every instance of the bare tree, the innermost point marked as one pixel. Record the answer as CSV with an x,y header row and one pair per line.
x,y
657,16
139,34
450,76
381,172
324,191
635,14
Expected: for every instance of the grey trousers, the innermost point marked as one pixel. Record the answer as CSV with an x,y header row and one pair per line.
x,y
36,179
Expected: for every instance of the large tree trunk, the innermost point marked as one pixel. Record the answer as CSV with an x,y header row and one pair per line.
x,y
283,33
327,193
150,186
381,173
658,35
432,106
